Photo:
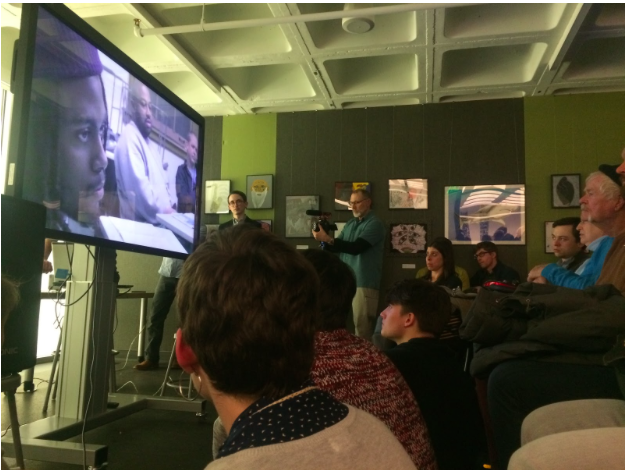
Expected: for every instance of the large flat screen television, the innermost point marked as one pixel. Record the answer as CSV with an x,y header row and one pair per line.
x,y
112,154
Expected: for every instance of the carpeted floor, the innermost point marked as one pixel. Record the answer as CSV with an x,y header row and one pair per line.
x,y
149,439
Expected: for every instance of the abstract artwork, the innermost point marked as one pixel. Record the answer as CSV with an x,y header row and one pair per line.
x,y
298,224
408,238
408,194
216,196
565,190
493,213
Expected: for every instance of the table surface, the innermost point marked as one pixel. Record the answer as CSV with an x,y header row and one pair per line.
x,y
124,295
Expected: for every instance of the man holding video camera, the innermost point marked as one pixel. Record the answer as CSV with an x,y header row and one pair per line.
x,y
361,245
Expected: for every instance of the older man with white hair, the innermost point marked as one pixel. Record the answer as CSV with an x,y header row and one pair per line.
x,y
604,202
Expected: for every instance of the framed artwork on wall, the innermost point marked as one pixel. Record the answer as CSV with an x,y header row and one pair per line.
x,y
485,213
259,191
408,194
216,196
210,229
548,240
565,190
266,224
343,190
408,239
298,224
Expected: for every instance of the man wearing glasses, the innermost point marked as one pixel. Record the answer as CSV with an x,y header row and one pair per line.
x,y
237,203
361,246
169,273
491,269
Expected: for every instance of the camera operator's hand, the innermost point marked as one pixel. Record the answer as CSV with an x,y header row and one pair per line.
x,y
322,236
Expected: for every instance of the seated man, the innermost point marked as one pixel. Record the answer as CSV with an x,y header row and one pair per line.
x,y
415,317
354,371
567,246
587,274
248,306
491,269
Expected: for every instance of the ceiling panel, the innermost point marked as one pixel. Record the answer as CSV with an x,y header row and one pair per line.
x,y
266,57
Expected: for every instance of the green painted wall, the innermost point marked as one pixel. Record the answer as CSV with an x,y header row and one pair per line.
x,y
566,134
249,148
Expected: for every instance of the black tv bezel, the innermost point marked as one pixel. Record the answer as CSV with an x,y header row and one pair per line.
x,y
21,81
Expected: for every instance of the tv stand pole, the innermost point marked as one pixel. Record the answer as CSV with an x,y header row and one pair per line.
x,y
83,378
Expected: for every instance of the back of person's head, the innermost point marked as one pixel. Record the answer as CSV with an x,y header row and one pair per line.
x,y
445,247
248,306
338,287
489,247
573,222
429,303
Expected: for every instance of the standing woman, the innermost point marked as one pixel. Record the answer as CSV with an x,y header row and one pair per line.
x,y
441,265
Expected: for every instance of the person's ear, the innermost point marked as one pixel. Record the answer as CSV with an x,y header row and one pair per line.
x,y
185,355
409,320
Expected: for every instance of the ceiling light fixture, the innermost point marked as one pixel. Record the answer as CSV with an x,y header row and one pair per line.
x,y
324,16
357,24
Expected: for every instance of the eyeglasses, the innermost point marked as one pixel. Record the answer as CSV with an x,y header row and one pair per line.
x,y
481,254
353,203
234,203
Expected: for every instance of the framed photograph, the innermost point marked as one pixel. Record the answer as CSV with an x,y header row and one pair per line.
x,y
343,190
548,240
298,224
216,196
259,191
408,194
494,213
266,224
565,190
408,239
210,229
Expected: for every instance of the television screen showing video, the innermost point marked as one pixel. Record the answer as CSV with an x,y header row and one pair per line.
x,y
111,159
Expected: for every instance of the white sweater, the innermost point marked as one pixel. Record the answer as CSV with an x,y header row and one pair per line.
x,y
360,441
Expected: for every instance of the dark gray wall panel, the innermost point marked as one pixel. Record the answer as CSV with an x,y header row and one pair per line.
x,y
470,143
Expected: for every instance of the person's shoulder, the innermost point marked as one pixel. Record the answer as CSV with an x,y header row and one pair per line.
x,y
225,225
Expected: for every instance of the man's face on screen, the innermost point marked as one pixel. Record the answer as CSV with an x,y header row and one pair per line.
x,y
142,111
82,159
192,149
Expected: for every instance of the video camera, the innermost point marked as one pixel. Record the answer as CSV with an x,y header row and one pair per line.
x,y
322,221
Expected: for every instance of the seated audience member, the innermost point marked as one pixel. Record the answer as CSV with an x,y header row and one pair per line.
x,y
354,371
439,260
248,306
491,269
586,433
606,208
587,274
567,246
414,319
460,272
573,434
441,265
518,387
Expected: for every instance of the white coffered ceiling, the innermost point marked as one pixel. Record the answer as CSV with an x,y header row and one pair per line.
x,y
440,54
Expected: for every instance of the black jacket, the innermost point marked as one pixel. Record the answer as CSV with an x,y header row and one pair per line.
x,y
549,322
247,220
